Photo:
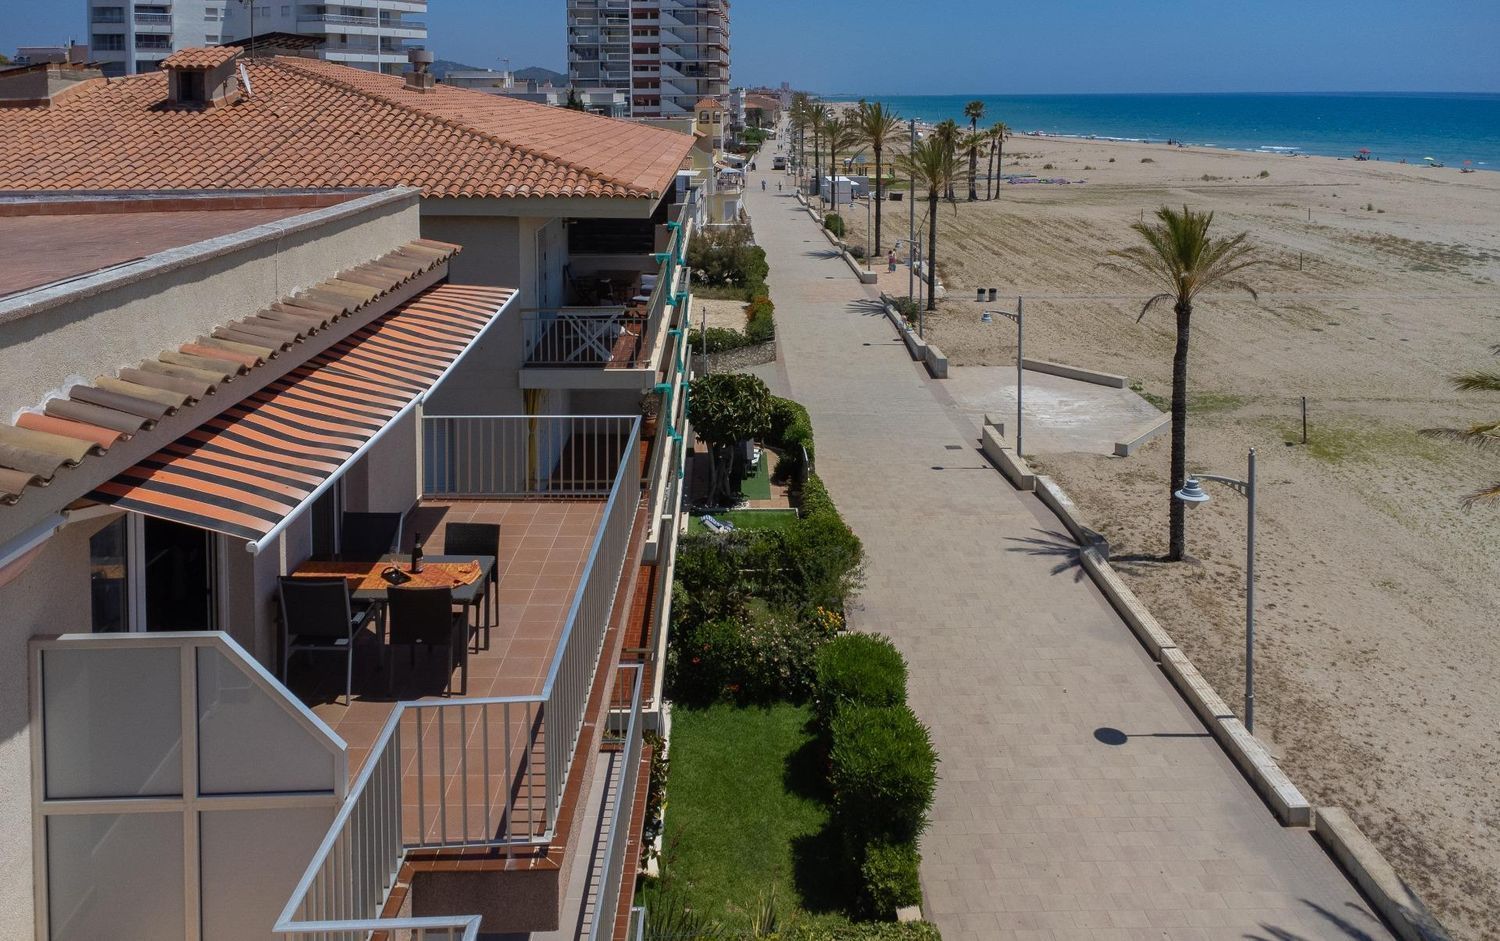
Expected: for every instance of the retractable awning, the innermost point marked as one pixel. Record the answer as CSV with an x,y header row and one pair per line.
x,y
252,468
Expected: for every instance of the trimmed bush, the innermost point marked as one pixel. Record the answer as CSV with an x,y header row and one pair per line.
x,y
883,772
789,431
834,223
720,340
760,326
859,931
891,877
820,560
858,669
761,659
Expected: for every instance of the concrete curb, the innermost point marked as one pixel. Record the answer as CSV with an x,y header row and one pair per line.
x,y
1289,805
937,363
1075,372
919,350
865,277
1003,456
1391,896
1143,434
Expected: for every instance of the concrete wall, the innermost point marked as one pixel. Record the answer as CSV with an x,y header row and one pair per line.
x,y
50,596
133,314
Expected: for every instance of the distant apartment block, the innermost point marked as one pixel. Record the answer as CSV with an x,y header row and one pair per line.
x,y
127,37
610,102
669,54
374,35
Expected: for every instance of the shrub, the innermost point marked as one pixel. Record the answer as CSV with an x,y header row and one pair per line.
x,y
861,670
760,330
1111,160
883,771
726,257
710,584
790,431
857,252
1048,166
720,340
858,931
907,307
1147,160
656,795
1264,173
834,223
891,877
763,658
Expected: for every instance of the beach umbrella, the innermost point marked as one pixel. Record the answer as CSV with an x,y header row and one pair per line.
x,y
1364,150
1430,159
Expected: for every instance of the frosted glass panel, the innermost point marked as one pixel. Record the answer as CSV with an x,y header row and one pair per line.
x,y
115,876
252,860
247,741
114,722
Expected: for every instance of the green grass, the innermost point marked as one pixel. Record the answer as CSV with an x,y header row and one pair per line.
x,y
759,486
716,293
746,817
1199,403
1352,444
748,519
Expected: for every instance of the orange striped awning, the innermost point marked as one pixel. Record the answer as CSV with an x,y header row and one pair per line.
x,y
256,464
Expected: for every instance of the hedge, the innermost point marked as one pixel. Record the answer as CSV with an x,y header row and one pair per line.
x,y
834,223
860,931
720,340
891,876
790,431
858,669
883,773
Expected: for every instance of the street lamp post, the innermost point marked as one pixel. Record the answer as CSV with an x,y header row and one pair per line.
x,y
869,204
911,203
1192,494
1019,316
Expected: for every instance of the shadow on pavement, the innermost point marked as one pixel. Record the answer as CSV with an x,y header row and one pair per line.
x,y
1055,544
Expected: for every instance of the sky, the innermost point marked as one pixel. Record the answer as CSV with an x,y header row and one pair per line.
x,y
995,47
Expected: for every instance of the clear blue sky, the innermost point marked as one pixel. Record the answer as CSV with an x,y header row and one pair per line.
x,y
998,47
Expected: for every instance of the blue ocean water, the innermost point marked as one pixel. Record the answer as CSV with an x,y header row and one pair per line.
x,y
1452,128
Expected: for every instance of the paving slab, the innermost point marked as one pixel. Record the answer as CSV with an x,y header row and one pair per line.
x,y
1080,796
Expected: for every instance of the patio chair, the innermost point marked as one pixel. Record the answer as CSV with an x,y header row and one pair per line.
x,y
316,615
368,537
479,539
424,617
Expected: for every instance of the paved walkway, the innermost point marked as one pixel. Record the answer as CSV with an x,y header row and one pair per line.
x,y
1048,824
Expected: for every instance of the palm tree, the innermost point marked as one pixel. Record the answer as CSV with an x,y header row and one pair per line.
x,y
997,153
972,144
818,122
843,135
974,110
878,126
1183,260
931,164
1484,435
798,119
947,133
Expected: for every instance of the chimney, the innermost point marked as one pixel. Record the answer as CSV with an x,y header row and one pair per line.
x,y
419,79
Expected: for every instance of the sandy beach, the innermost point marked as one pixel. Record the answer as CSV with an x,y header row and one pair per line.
x,y
1377,659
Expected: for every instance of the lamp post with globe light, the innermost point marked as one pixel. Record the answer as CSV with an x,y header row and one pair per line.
x,y
1192,494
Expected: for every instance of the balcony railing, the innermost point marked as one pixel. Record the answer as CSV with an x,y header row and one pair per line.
x,y
628,680
613,337
488,773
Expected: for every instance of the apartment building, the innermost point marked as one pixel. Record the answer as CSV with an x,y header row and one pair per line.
x,y
376,35
126,37
669,54
610,102
219,354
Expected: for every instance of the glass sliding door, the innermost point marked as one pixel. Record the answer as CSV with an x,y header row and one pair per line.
x,y
148,574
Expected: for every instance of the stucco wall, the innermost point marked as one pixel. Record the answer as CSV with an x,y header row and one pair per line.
x,y
50,597
128,321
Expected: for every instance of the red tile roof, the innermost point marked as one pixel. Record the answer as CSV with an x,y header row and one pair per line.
x,y
203,57
314,124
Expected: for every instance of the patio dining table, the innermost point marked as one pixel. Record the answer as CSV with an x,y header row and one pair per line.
x,y
466,575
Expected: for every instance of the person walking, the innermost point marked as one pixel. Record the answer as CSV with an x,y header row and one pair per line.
x,y
762,186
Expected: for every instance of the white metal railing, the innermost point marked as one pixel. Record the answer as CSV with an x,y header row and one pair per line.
x,y
616,845
586,336
516,752
499,456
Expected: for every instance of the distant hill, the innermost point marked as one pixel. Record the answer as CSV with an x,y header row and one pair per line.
x,y
541,76
441,68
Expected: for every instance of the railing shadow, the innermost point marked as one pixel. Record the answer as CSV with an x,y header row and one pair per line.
x,y
1056,545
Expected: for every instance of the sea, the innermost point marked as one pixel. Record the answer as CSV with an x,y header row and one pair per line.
x,y
1451,128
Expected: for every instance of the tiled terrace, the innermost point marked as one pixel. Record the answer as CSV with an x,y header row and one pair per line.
x,y
544,547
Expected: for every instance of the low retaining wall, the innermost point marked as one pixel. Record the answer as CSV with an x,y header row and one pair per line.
x,y
1003,456
937,363
745,356
1074,372
1142,434
919,349
1392,897
1269,781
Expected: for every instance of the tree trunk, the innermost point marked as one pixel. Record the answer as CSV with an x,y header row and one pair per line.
x,y
932,212
989,177
973,174
1177,530
879,198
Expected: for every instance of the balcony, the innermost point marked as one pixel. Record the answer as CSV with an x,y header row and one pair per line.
x,y
491,778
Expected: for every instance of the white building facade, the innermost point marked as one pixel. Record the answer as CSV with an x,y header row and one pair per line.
x,y
127,37
375,35
669,54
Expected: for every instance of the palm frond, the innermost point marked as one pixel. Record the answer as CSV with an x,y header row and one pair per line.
x,y
1482,495
1483,437
1477,382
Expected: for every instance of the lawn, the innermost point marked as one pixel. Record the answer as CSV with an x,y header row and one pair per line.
x,y
748,519
745,817
759,486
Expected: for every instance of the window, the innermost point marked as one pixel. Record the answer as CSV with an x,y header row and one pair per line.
x,y
109,14
109,590
210,13
286,10
109,42
152,41
190,87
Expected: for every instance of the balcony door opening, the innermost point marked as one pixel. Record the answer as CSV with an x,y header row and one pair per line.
x,y
153,575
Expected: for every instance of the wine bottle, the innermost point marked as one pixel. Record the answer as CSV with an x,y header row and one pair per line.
x,y
416,555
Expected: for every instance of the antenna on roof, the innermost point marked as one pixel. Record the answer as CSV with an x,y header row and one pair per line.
x,y
245,80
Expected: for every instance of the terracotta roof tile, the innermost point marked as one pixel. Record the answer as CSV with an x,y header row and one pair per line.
x,y
93,416
200,57
315,124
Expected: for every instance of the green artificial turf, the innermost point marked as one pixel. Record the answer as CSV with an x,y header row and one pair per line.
x,y
748,519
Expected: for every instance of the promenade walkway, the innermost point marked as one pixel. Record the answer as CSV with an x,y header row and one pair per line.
x,y
1049,823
